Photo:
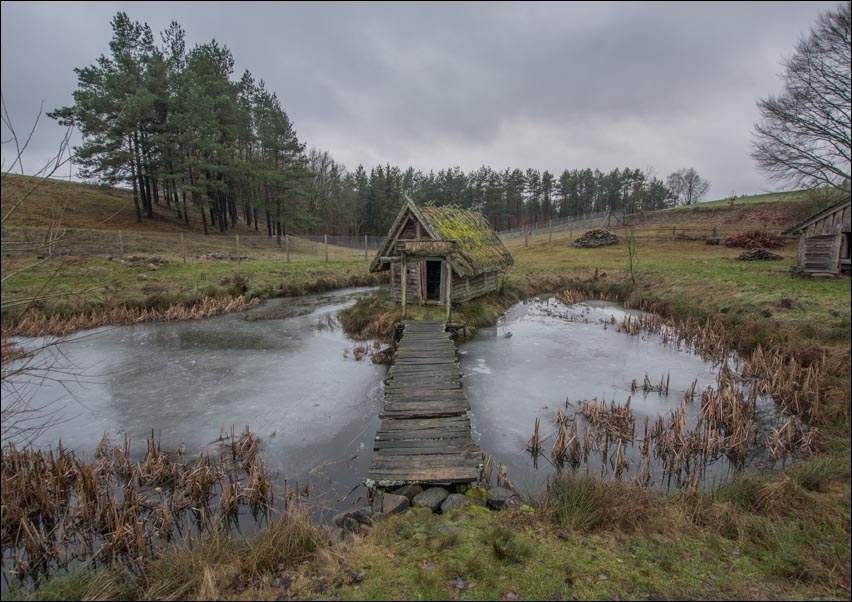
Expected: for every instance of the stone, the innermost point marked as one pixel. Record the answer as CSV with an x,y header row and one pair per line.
x,y
351,525
341,516
455,501
363,515
431,498
498,497
409,491
394,504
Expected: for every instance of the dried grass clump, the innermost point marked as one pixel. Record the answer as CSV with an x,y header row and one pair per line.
x,y
59,509
35,323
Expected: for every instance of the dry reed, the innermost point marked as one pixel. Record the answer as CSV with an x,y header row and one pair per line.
x,y
59,509
34,322
726,424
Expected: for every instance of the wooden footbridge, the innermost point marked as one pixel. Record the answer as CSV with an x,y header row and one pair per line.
x,y
424,437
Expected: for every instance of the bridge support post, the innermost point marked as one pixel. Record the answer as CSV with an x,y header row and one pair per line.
x,y
404,283
449,290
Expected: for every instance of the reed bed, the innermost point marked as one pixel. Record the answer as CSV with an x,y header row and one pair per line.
x,y
35,323
60,510
679,450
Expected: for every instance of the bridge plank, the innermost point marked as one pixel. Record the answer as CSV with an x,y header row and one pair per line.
x,y
425,432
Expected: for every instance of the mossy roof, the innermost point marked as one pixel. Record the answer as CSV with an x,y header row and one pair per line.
x,y
480,250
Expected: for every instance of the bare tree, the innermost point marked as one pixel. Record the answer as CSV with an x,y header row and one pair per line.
x,y
803,138
687,186
22,369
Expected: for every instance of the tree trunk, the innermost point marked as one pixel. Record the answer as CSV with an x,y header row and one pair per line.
x,y
185,211
143,189
204,221
135,187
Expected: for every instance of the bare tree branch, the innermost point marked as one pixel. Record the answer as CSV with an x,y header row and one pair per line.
x,y
804,137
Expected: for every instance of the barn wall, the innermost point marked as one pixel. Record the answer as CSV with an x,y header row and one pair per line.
x,y
822,247
466,288
413,294
819,254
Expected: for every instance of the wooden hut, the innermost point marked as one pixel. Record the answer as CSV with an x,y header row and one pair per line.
x,y
448,255
824,246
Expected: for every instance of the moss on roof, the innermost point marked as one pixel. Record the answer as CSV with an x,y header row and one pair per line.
x,y
479,248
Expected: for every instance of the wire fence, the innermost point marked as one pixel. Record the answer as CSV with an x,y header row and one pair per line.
x,y
185,246
587,221
41,242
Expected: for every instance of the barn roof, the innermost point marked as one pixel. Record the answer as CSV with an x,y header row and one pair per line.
x,y
818,216
479,249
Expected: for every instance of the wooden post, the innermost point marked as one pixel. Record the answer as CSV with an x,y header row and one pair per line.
x,y
365,247
449,286
404,282
325,239
237,237
550,231
527,238
287,246
120,244
182,247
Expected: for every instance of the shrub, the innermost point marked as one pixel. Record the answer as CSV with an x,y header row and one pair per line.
x,y
754,239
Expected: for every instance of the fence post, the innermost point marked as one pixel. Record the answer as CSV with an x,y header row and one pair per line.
x,y
182,247
325,240
237,237
527,238
120,243
365,247
287,246
550,231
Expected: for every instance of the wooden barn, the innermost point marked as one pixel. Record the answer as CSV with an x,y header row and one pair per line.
x,y
824,246
448,255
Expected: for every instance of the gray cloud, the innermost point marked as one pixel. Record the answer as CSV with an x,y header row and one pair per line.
x,y
545,85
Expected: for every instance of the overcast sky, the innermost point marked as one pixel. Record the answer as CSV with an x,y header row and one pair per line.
x,y
551,86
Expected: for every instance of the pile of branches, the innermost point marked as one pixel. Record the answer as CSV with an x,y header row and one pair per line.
x,y
754,239
759,254
596,238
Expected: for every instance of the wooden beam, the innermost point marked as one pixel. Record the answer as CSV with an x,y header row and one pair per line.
x,y
449,290
404,282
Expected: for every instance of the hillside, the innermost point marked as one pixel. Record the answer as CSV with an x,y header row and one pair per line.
x,y
76,205
87,206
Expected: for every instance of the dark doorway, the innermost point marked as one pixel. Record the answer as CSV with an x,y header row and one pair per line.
x,y
433,280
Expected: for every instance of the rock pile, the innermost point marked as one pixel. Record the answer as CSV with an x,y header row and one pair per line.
x,y
596,238
437,499
152,263
758,254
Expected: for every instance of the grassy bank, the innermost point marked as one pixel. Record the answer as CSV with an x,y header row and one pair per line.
x,y
780,535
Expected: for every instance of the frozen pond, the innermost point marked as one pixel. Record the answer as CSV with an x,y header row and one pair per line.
x,y
288,372
542,354
294,381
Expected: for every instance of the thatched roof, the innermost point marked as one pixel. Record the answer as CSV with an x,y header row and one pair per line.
x,y
479,249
